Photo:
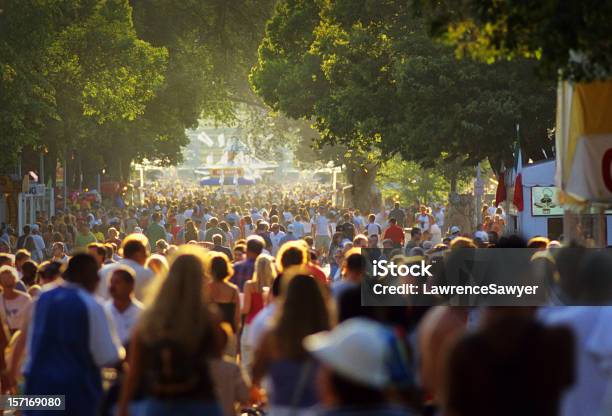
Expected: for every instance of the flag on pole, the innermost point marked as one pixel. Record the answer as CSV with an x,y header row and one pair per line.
x,y
500,192
517,199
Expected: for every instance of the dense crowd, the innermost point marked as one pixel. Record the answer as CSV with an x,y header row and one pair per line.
x,y
208,302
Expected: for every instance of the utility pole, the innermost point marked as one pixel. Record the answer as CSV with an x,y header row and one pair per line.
x,y
478,191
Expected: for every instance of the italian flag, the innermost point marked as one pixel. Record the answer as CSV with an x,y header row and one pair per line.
x,y
517,200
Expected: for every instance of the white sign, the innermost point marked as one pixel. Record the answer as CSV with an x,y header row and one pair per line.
x,y
545,201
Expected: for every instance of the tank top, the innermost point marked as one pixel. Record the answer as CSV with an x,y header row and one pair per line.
x,y
285,375
257,304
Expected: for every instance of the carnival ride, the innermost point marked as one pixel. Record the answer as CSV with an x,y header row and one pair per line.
x,y
235,165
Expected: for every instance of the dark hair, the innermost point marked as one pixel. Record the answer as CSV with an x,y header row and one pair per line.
x,y
354,394
415,231
100,250
49,270
126,274
304,311
220,267
132,248
29,269
293,256
83,270
5,259
532,365
254,245
276,286
22,254
355,262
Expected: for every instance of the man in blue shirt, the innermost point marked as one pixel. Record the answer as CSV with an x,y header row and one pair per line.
x,y
70,338
243,270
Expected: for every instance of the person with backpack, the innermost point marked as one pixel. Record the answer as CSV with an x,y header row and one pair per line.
x,y
172,345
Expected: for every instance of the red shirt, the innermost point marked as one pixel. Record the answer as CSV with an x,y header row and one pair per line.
x,y
395,233
317,273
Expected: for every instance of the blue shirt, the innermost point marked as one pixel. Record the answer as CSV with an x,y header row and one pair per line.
x,y
298,228
243,272
69,339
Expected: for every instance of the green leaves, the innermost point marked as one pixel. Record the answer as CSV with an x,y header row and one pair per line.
x,y
383,84
569,38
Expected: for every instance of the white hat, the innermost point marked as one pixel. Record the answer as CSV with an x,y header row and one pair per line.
x,y
137,230
454,229
356,349
290,228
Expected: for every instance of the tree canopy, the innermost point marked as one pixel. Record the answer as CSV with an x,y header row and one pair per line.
x,y
125,78
370,77
569,38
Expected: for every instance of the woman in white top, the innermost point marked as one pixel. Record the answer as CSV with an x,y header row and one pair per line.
x,y
424,219
14,304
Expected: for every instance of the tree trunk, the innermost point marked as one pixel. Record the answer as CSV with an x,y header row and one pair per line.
x,y
363,194
453,183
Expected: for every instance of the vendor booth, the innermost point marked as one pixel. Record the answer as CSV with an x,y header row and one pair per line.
x,y
583,137
543,211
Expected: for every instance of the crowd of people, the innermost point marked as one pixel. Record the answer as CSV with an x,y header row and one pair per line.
x,y
208,302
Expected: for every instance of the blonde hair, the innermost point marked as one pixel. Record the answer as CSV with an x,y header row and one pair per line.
x,y
11,271
264,272
179,310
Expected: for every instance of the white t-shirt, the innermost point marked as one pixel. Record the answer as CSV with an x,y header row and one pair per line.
x,y
143,278
14,311
322,225
124,322
423,222
307,227
591,327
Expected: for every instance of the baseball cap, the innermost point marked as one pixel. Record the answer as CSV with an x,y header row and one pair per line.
x,y
454,229
356,349
290,228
